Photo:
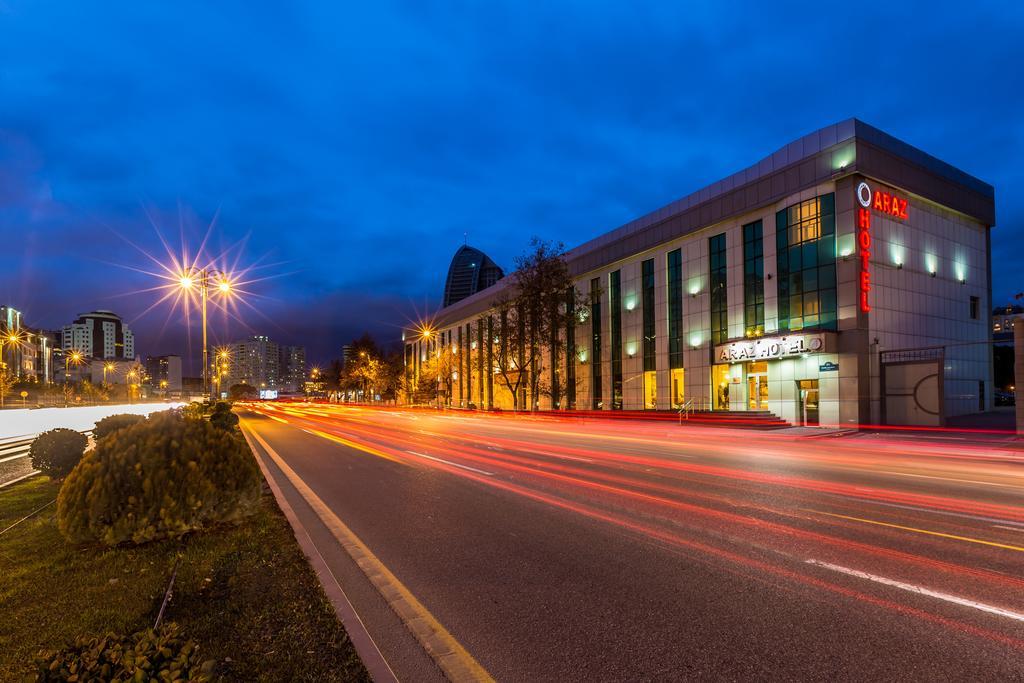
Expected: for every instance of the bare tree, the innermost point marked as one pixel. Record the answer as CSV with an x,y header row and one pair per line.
x,y
532,316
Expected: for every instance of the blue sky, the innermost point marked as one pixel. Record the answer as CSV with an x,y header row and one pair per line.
x,y
352,146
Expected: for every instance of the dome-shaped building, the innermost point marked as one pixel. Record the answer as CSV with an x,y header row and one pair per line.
x,y
470,272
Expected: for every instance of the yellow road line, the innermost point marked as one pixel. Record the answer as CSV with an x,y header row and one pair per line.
x,y
357,446
921,531
454,660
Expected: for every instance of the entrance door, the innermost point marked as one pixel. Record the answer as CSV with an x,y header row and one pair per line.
x,y
807,396
757,386
720,387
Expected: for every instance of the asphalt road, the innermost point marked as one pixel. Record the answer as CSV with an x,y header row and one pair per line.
x,y
597,550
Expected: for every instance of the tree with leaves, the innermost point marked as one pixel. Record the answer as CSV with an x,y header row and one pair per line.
x,y
7,381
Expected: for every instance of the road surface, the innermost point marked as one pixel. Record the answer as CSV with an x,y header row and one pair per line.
x,y
592,550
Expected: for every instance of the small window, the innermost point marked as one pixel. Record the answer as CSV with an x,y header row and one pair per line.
x,y
975,305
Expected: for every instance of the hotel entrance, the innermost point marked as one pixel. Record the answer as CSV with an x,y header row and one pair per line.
x,y
807,401
757,385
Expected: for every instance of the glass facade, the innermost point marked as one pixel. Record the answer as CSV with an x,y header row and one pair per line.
x,y
615,304
805,235
675,308
650,376
595,344
719,290
753,279
570,349
647,283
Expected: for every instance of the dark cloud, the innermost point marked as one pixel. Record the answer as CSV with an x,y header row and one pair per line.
x,y
355,147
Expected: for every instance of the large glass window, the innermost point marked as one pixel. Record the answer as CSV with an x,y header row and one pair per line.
x,y
570,349
806,245
675,308
595,344
615,304
719,297
647,284
753,279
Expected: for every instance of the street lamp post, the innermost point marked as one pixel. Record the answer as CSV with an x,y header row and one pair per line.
x,y
224,287
69,357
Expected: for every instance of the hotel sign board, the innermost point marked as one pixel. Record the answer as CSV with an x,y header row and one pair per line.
x,y
768,348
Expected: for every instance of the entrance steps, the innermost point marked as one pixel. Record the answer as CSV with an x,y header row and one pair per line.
x,y
747,419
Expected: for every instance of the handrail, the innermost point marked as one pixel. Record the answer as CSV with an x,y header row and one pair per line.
x,y
685,410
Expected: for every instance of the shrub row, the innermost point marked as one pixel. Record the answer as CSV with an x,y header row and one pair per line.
x,y
160,478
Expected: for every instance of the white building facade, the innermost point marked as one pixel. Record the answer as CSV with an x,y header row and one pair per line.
x,y
99,334
844,281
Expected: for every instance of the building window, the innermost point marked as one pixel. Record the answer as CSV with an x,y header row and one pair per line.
x,y
719,298
675,308
806,259
647,283
650,376
595,344
753,279
570,349
615,306
975,306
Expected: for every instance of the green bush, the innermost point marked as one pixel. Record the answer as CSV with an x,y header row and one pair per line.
x,y
161,478
149,655
222,417
56,452
112,423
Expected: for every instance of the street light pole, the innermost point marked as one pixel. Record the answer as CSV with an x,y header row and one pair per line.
x,y
204,282
224,286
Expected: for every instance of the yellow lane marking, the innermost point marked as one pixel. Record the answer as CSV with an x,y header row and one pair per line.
x,y
922,531
454,660
357,446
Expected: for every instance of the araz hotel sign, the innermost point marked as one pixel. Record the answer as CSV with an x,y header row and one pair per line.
x,y
768,348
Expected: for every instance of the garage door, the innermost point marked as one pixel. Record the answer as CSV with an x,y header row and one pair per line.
x,y
912,391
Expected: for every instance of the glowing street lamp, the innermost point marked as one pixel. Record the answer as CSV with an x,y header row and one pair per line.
x,y
107,367
69,358
224,287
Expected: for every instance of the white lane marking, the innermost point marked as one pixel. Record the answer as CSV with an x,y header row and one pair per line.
x,y
1009,528
959,481
449,462
1017,616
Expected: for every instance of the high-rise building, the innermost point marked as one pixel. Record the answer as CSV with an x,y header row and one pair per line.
x,y
255,361
470,271
164,372
293,368
99,334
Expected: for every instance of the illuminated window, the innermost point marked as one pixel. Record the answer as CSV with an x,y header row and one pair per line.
x,y
806,263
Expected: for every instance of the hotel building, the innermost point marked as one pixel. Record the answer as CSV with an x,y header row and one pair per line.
x,y
843,280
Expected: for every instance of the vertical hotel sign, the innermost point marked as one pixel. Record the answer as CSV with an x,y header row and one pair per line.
x,y
864,243
886,203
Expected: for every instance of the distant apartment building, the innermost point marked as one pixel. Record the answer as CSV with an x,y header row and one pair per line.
x,y
99,334
293,368
264,364
163,373
27,351
255,361
1002,323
